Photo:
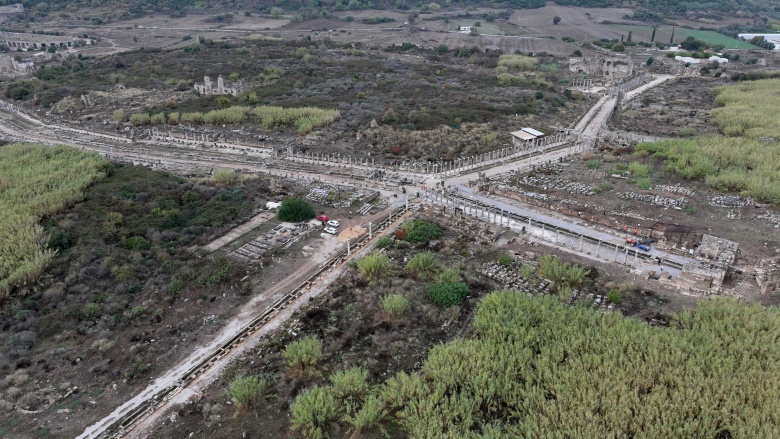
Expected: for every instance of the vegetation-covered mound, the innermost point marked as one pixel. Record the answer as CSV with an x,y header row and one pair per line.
x,y
36,181
303,119
744,161
539,368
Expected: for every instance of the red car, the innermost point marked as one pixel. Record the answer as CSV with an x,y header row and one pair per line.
x,y
322,217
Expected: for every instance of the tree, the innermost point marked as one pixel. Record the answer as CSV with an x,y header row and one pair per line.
x,y
442,48
630,36
650,61
295,210
652,37
692,44
617,47
671,39
556,19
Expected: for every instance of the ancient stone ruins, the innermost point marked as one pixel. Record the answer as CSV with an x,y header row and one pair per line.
x,y
207,87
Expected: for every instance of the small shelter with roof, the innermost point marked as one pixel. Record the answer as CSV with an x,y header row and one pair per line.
x,y
525,135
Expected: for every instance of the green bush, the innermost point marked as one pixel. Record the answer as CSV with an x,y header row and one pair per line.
x,y
447,293
504,260
139,119
91,311
247,392
350,386
400,388
593,164
644,183
374,266
603,187
394,304
295,210
224,177
423,264
58,240
312,412
175,286
420,231
450,275
638,169
562,275
370,416
614,297
137,243
384,242
304,355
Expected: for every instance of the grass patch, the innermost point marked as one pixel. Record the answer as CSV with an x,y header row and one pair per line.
x,y
374,266
423,264
247,392
394,304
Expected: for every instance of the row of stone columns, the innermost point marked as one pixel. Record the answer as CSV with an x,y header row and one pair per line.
x,y
457,165
498,216
582,82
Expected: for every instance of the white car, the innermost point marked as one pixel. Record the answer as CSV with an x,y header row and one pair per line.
x,y
333,223
330,230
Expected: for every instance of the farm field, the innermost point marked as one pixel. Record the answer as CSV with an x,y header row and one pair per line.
x,y
664,33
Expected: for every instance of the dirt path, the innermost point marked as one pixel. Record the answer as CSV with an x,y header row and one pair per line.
x,y
659,79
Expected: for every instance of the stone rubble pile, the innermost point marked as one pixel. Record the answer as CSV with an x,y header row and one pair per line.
x,y
629,214
551,183
510,277
770,217
731,201
680,190
598,301
657,200
281,235
339,196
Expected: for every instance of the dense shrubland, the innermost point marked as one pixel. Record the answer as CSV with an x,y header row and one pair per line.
x,y
745,160
536,366
37,181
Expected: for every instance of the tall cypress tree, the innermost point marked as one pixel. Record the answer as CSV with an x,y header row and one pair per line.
x,y
671,40
652,37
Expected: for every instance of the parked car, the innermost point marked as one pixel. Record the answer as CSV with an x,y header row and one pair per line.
x,y
333,223
330,230
643,247
322,218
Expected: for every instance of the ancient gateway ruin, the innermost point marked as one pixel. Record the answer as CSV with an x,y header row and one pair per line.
x,y
207,87
609,68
